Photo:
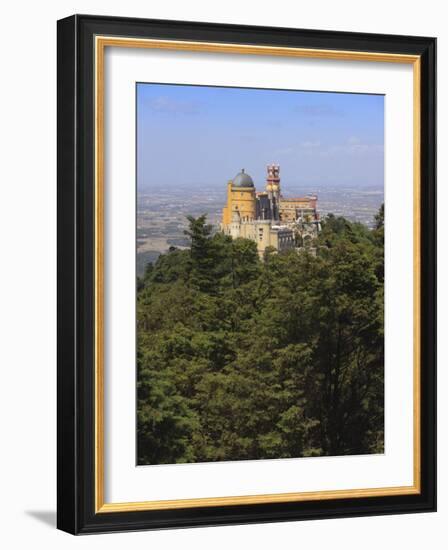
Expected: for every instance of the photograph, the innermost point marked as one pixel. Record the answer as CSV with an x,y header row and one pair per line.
x,y
260,274
246,274
225,328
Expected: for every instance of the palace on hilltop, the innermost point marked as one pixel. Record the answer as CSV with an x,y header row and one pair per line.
x,y
267,217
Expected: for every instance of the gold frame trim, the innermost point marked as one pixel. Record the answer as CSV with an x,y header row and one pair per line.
x,y
101,42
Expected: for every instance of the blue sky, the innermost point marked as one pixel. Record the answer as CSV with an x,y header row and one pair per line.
x,y
205,135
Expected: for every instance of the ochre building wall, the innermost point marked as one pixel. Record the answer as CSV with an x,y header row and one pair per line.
x,y
241,199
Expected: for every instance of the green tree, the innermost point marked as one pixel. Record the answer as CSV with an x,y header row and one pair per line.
x,y
240,358
201,254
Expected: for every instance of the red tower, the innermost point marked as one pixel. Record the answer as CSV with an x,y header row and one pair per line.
x,y
273,188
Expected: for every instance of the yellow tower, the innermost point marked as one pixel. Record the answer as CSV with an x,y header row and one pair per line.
x,y
240,198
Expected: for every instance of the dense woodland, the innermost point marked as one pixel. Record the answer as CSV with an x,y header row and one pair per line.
x,y
241,358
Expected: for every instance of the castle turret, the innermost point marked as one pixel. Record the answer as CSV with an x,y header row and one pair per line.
x,y
273,188
242,196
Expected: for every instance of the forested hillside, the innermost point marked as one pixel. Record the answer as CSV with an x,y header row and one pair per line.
x,y
240,358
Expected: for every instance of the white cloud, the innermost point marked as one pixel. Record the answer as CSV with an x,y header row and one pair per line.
x,y
353,140
318,111
164,104
353,146
310,144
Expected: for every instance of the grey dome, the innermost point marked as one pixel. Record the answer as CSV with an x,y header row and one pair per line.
x,y
242,180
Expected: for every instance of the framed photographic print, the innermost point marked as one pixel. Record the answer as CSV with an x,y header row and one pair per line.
x,y
246,274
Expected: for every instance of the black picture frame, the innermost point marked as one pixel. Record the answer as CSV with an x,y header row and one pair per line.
x,y
76,255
